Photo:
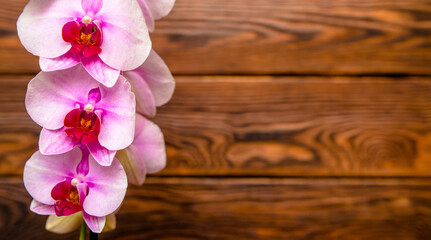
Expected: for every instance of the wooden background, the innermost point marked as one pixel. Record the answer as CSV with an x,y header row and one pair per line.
x,y
292,119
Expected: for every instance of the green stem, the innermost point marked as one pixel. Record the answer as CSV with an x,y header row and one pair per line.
x,y
83,230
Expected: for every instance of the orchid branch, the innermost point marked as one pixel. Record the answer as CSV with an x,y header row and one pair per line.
x,y
93,236
83,230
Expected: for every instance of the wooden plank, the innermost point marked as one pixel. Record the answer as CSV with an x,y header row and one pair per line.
x,y
273,37
270,126
295,209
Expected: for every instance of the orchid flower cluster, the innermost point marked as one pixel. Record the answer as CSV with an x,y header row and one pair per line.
x,y
100,79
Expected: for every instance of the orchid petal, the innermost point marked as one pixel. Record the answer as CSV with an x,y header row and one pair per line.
x,y
43,172
42,209
94,95
102,155
83,167
133,166
156,74
126,41
40,26
82,190
51,95
118,116
149,19
100,71
107,183
146,154
91,6
64,61
96,224
159,8
63,224
145,103
149,145
155,9
54,141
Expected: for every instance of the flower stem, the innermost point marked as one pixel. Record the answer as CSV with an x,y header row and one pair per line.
x,y
93,236
83,230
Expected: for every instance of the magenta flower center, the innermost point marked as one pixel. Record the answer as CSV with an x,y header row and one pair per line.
x,y
67,199
82,126
85,37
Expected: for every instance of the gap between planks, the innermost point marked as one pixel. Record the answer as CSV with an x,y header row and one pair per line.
x,y
285,181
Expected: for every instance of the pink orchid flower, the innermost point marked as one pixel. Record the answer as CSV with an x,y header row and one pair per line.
x,y
152,83
146,154
74,109
106,36
155,9
71,182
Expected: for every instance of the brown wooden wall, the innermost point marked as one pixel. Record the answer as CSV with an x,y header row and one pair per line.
x,y
292,119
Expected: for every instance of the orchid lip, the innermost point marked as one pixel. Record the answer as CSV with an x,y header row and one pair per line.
x,y
66,198
82,125
85,37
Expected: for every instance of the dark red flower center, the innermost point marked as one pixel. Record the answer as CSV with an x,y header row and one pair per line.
x,y
82,126
67,199
85,38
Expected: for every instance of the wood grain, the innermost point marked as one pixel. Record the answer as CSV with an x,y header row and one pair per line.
x,y
271,156
273,37
270,126
295,209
